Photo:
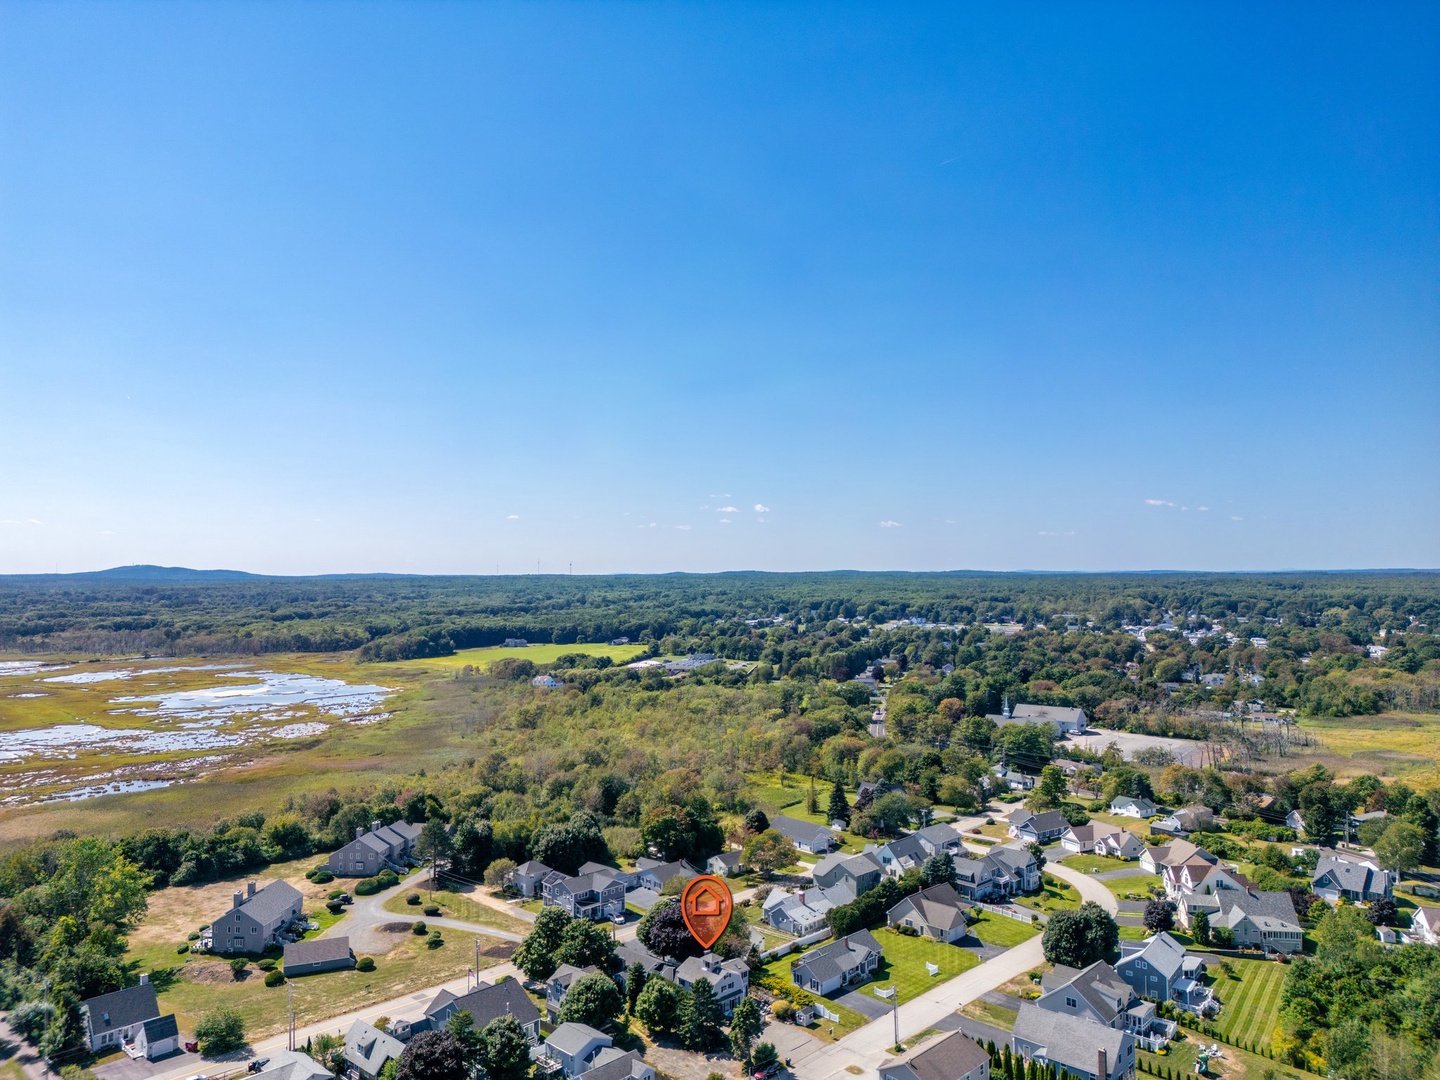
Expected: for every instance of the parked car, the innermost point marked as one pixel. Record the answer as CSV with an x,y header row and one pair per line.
x,y
618,920
768,1071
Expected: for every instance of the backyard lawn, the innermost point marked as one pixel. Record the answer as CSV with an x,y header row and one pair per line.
x,y
1095,864
905,959
998,930
1133,886
456,905
1250,1002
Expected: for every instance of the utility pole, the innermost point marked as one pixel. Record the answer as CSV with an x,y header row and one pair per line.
x,y
290,995
477,964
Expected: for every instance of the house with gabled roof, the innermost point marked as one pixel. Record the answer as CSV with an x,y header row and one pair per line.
x,y
1255,919
256,919
861,872
368,1049
1155,859
130,1020
1098,994
597,895
798,913
938,912
1343,875
1079,1048
1160,969
906,853
489,1002
806,836
654,874
1132,806
1424,926
951,1057
941,838
729,979
528,878
558,985
1043,828
1183,822
316,955
726,864
1099,838
840,964
380,847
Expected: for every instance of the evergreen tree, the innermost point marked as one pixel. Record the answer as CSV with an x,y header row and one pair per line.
x,y
839,808
746,1024
700,1017
634,983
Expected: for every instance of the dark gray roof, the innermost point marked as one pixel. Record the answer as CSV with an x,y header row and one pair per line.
x,y
369,1048
839,957
952,1056
1267,910
502,998
162,1027
1162,952
272,902
619,1068
123,1008
531,868
1049,821
1347,874
940,834
317,951
1099,984
940,906
795,829
1069,1040
907,847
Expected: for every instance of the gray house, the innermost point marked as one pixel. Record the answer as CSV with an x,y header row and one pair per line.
x,y
1085,1050
596,896
1038,828
130,1019
318,955
558,985
729,979
726,864
367,1049
654,875
953,1057
1098,994
937,912
1160,969
490,1002
940,839
897,856
811,839
379,848
861,872
840,964
256,919
1353,877
528,877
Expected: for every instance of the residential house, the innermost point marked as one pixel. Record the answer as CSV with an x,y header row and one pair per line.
x,y
578,1048
1079,1048
942,838
726,864
546,682
1424,927
730,979
1129,806
597,895
367,1049
653,874
318,955
1100,839
797,913
256,919
558,985
130,1020
1255,919
293,1065
952,1057
1042,828
614,1064
937,912
1098,994
489,1002
1296,822
1160,969
840,964
1184,822
633,952
807,837
1014,780
861,872
1351,877
906,853
1196,877
379,848
528,877
1002,872
1155,859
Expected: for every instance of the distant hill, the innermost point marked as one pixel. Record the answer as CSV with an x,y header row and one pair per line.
x,y
163,573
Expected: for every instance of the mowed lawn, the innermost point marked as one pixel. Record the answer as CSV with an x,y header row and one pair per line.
x,y
1056,896
455,905
1095,864
1250,1003
998,930
905,958
1137,885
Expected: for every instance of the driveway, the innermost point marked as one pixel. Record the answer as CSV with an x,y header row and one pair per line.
x,y
366,918
1085,885
864,1002
140,1069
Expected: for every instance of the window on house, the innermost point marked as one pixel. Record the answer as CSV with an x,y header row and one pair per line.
x,y
1071,1003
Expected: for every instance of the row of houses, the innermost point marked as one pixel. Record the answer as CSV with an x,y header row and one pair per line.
x,y
381,847
1196,881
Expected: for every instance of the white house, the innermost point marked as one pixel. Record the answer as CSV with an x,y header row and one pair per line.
x,y
1424,927
130,1020
1129,806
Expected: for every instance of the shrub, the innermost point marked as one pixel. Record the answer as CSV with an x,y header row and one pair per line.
x,y
418,928
274,978
782,1010
335,907
266,965
335,894
432,911
367,887
365,963
434,941
387,879
220,1031
194,935
238,966
413,899
907,931
182,949
324,877
273,949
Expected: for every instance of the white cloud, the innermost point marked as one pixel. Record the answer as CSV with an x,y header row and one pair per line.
x,y
106,532
726,510
22,522
724,521
759,509
1053,532
1234,517
951,521
512,517
887,524
1202,509
683,528
1158,502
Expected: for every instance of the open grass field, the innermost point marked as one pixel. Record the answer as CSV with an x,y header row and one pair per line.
x,y
537,654
1392,746
456,905
1056,895
1095,864
998,930
1250,1002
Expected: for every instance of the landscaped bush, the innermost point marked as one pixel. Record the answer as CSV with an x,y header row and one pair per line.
x,y
335,894
413,899
365,963
194,935
182,949
782,1010
387,879
238,966
324,877
434,941
273,949
418,929
335,907
907,931
267,964
274,978
432,911
367,887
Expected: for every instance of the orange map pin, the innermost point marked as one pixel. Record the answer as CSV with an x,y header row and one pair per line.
x,y
706,905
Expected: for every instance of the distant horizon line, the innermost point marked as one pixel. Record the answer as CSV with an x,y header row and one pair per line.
x,y
156,572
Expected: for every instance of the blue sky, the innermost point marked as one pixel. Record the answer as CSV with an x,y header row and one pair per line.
x,y
444,287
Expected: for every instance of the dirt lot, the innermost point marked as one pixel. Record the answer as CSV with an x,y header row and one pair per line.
x,y
1186,751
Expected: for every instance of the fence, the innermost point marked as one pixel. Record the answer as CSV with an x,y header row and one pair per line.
x,y
1009,912
798,943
